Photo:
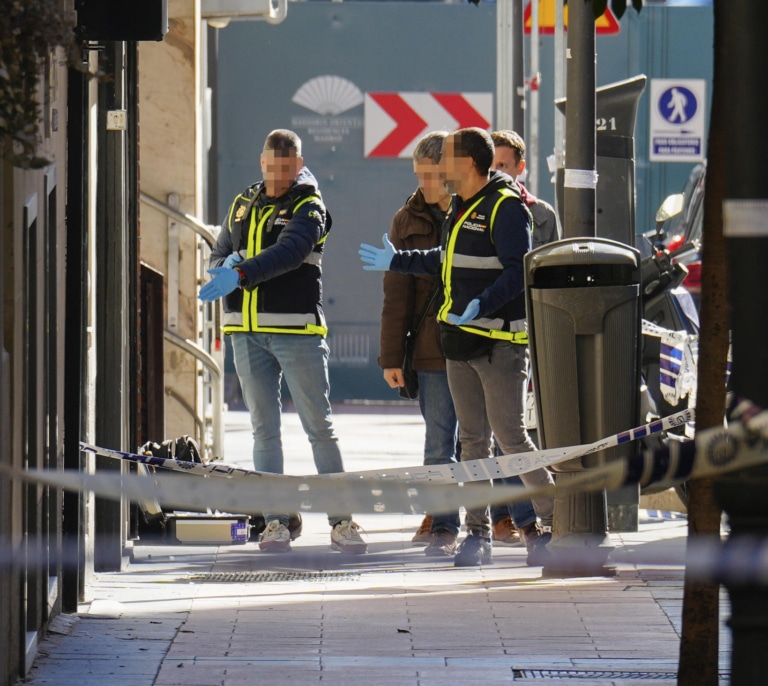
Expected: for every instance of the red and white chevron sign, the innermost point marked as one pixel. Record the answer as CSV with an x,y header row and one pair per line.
x,y
394,122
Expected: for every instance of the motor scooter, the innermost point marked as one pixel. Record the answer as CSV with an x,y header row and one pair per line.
x,y
666,303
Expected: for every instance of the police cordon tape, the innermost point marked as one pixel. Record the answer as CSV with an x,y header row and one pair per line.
x,y
457,472
713,452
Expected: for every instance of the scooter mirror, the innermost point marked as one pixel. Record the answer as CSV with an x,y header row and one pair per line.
x,y
671,207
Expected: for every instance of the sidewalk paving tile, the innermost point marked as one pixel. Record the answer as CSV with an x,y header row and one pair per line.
x,y
390,618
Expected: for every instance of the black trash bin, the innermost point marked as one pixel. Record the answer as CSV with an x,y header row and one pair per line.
x,y
583,301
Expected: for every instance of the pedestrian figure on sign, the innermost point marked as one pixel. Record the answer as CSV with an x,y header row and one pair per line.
x,y
677,103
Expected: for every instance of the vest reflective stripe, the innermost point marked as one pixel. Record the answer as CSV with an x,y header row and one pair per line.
x,y
515,331
504,193
275,323
485,323
516,337
249,319
448,263
273,319
474,262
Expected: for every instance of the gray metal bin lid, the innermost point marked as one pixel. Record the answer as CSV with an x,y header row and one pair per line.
x,y
582,262
581,251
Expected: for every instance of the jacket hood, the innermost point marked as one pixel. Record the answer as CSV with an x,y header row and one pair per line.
x,y
305,181
501,179
497,180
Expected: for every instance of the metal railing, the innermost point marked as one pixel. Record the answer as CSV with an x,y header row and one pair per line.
x,y
207,412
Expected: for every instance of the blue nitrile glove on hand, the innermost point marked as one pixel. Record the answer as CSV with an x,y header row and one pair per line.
x,y
224,281
232,260
473,309
377,259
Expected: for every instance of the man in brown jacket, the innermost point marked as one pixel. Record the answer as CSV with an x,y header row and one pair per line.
x,y
417,226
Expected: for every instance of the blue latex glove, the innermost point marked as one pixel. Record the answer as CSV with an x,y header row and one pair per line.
x,y
232,260
473,309
377,259
224,281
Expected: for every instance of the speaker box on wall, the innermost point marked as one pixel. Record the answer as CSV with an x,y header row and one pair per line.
x,y
122,20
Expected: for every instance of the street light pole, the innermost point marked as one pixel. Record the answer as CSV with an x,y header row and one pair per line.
x,y
580,176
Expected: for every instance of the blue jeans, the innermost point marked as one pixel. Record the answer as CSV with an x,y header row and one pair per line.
x,y
261,360
489,397
440,445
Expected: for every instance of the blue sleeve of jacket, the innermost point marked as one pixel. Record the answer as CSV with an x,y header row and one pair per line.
x,y
416,261
295,242
512,238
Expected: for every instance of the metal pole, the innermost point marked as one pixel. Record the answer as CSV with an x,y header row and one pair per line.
x,y
532,167
559,84
580,520
580,176
112,274
518,69
504,75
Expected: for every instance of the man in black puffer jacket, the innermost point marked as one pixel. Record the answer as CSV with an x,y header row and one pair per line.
x,y
266,265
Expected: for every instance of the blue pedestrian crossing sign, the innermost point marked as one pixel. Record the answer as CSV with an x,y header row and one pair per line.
x,y
677,120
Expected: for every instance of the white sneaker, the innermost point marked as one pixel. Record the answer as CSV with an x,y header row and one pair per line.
x,y
345,537
275,537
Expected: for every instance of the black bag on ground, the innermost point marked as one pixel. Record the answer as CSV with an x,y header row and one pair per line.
x,y
184,448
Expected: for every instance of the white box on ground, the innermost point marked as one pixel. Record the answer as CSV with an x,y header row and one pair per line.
x,y
208,529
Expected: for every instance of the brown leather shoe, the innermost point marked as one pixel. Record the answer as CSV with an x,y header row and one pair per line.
x,y
423,535
443,544
505,533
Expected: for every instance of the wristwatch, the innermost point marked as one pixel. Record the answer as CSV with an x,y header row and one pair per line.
x,y
243,280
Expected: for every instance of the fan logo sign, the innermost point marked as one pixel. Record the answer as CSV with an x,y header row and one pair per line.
x,y
394,122
328,97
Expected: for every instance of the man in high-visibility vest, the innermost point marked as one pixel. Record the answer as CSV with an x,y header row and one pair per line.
x,y
482,319
509,157
266,263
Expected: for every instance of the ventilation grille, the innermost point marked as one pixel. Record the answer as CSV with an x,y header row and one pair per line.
x,y
270,577
594,674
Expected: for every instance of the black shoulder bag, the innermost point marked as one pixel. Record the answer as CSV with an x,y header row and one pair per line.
x,y
410,391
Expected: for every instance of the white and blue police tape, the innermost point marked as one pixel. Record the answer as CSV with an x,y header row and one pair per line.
x,y
457,472
714,451
678,357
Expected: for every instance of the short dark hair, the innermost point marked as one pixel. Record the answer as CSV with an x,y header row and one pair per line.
x,y
430,146
477,144
510,139
283,140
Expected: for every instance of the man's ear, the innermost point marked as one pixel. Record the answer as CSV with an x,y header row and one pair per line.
x,y
299,163
520,168
263,164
